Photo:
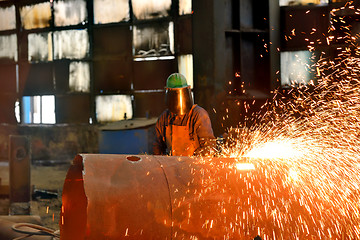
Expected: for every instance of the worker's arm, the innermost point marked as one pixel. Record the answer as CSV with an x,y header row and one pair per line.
x,y
159,147
204,132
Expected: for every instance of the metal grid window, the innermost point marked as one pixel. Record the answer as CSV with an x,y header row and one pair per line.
x,y
90,50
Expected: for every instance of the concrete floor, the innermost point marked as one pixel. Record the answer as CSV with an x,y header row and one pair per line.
x,y
48,178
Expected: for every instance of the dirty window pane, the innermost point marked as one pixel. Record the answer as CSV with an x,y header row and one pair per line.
x,y
7,18
48,109
109,11
39,47
154,40
17,111
36,16
185,7
39,109
79,79
295,67
185,65
301,2
70,12
148,9
8,47
112,108
71,44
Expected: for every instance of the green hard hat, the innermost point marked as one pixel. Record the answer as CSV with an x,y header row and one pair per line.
x,y
176,80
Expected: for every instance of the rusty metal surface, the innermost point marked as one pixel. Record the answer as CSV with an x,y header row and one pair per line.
x,y
19,167
124,197
74,203
160,197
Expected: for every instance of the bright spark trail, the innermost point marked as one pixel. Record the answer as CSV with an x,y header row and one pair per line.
x,y
307,148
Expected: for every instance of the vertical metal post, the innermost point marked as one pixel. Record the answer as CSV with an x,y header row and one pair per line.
x,y
19,174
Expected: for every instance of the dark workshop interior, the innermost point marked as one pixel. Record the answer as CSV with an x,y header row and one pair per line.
x,y
88,77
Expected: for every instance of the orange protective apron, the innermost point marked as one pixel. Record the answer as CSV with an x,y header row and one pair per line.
x,y
178,139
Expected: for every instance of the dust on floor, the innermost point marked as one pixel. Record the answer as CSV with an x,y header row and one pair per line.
x,y
49,181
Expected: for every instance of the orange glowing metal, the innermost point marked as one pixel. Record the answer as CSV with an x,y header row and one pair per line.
x,y
245,166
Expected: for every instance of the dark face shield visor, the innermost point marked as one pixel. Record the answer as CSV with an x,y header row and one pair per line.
x,y
179,100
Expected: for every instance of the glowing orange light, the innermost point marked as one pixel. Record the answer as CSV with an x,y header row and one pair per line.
x,y
293,175
274,149
245,166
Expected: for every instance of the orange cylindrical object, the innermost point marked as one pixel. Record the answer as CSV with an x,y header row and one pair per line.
x,y
167,197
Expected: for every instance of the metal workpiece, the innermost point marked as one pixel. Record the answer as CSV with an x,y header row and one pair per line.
x,y
168,197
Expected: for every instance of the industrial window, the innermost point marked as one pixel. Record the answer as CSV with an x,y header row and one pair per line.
x,y
70,12
7,18
185,66
71,44
111,11
301,2
295,67
149,9
68,44
39,47
79,78
38,109
36,16
8,47
110,108
55,54
153,40
185,7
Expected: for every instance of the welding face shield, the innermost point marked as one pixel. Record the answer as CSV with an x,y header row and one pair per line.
x,y
179,100
178,96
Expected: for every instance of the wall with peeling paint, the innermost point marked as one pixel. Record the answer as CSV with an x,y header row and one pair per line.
x,y
52,143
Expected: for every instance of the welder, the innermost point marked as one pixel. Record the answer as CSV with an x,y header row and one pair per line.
x,y
184,128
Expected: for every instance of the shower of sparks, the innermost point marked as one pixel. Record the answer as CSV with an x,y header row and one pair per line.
x,y
304,182
275,149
